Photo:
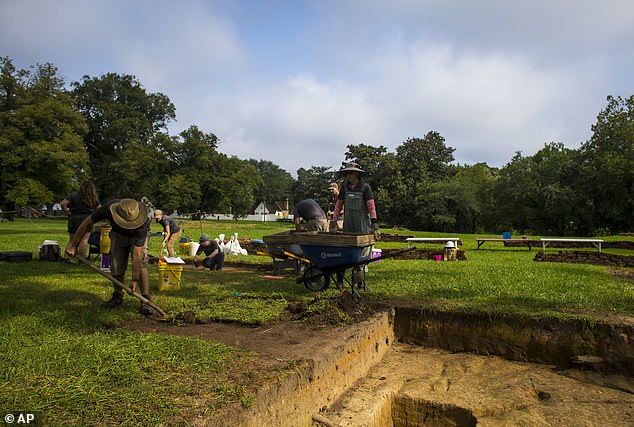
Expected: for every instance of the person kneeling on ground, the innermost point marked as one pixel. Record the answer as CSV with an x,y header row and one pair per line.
x,y
130,232
214,257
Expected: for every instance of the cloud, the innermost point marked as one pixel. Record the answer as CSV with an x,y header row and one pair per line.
x,y
295,83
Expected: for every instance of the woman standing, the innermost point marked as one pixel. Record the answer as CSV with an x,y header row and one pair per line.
x,y
79,205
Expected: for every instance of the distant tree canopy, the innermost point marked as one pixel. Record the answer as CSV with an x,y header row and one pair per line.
x,y
40,136
112,130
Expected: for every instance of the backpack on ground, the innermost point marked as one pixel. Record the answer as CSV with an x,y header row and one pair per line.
x,y
50,251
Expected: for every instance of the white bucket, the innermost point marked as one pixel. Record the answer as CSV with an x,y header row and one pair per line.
x,y
193,248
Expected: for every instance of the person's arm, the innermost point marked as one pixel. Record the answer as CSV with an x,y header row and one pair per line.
x,y
64,204
338,208
84,227
166,235
373,219
298,222
198,251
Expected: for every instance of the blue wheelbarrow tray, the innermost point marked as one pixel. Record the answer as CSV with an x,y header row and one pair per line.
x,y
327,257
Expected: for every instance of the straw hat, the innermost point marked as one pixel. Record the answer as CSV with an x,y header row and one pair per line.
x,y
128,213
350,167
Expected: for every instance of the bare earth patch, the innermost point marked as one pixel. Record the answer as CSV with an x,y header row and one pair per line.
x,y
489,389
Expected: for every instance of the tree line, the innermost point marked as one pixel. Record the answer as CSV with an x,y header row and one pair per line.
x,y
111,130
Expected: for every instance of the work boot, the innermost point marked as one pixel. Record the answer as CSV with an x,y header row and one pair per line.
x,y
145,309
115,301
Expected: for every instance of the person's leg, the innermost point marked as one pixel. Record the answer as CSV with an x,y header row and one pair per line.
x,y
207,262
145,275
119,253
174,237
220,261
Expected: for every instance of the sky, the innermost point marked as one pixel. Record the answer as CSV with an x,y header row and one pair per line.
x,y
295,82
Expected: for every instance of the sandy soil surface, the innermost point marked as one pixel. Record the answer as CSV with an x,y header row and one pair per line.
x,y
416,383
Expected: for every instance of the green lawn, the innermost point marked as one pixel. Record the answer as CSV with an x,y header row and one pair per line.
x,y
61,357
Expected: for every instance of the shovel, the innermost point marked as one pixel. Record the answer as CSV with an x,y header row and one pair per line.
x,y
137,295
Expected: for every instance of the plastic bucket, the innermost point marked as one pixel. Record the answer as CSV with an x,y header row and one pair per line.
x,y
105,262
193,248
169,278
104,239
184,247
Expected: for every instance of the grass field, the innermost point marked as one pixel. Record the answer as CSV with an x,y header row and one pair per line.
x,y
62,357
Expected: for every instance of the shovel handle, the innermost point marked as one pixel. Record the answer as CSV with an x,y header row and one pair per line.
x,y
123,286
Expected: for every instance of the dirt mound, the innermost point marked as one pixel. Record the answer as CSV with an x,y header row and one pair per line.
x,y
342,310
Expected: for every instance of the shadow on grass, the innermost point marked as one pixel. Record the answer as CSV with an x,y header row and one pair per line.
x,y
58,294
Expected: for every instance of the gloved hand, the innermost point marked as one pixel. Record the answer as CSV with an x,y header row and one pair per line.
x,y
375,230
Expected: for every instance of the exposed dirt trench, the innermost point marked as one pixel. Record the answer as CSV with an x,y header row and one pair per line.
x,y
409,367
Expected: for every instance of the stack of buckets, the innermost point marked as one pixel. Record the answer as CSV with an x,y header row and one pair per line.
x,y
104,247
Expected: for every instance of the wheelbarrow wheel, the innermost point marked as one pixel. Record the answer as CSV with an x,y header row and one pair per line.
x,y
315,280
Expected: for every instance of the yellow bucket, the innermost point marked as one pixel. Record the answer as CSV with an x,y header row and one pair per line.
x,y
104,239
184,248
169,278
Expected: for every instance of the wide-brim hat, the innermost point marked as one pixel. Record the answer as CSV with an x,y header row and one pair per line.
x,y
350,167
129,214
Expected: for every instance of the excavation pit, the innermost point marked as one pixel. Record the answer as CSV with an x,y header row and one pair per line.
x,y
411,367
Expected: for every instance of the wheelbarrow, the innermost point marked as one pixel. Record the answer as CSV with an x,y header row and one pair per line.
x,y
328,260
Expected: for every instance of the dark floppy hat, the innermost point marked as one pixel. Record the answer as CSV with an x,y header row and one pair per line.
x,y
350,167
129,214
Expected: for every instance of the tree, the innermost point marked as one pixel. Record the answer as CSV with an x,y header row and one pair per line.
x,y
313,184
275,184
608,166
406,189
119,112
539,193
40,136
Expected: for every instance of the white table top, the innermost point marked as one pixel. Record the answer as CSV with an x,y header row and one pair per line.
x,y
432,239
571,240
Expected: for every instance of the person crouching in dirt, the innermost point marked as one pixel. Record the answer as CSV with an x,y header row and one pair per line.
x,y
171,231
130,233
214,257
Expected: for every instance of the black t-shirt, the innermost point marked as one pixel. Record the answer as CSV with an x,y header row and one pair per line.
x,y
139,234
212,246
165,221
78,210
308,209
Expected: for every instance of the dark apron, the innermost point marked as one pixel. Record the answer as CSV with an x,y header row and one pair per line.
x,y
357,218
